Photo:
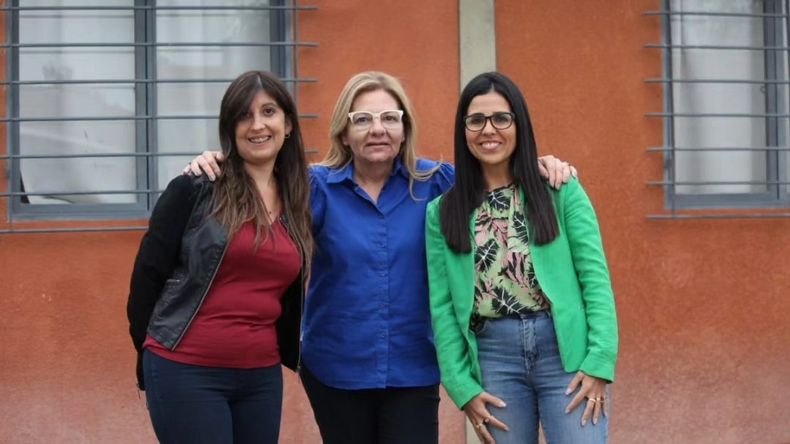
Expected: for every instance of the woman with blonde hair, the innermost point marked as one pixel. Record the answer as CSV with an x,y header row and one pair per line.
x,y
368,360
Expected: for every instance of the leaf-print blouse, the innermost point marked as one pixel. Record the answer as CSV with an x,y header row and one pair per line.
x,y
505,282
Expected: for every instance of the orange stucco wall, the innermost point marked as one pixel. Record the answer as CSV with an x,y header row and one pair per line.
x,y
702,305
66,362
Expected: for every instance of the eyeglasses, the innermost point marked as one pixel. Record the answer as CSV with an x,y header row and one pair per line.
x,y
363,120
501,121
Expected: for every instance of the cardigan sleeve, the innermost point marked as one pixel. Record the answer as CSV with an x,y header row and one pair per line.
x,y
451,347
586,247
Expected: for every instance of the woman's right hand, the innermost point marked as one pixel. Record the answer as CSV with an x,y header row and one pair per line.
x,y
207,162
478,414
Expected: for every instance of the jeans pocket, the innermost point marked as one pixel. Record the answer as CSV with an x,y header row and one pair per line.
x,y
479,327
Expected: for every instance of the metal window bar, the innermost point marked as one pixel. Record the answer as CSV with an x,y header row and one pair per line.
x,y
709,81
155,44
160,8
284,44
728,149
666,12
776,20
147,102
116,118
136,81
106,155
719,47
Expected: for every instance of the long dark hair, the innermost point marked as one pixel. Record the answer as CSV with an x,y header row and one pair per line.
x,y
469,190
236,197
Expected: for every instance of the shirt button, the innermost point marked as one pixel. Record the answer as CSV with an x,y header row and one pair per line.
x,y
383,273
381,216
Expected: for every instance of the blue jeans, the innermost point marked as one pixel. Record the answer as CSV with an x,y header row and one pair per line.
x,y
520,363
191,404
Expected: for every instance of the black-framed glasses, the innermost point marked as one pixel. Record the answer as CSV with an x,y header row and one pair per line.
x,y
500,121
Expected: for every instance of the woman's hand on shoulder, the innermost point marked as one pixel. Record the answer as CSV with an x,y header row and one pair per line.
x,y
481,419
556,171
208,163
592,392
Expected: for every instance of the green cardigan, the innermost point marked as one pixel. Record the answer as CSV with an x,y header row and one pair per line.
x,y
573,274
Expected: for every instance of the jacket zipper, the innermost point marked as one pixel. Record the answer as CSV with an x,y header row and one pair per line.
x,y
203,298
301,294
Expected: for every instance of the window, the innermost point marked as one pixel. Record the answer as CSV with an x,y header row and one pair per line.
x,y
109,99
725,77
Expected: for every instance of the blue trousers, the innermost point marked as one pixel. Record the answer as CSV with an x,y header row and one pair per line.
x,y
191,404
520,364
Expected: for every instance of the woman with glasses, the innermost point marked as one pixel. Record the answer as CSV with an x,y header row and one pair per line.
x,y
368,360
520,296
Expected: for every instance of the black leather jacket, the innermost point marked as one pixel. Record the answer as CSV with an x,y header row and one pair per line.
x,y
178,258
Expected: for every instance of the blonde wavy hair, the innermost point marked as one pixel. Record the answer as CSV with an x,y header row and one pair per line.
x,y
340,155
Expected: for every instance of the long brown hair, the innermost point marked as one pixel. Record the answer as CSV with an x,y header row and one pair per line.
x,y
236,199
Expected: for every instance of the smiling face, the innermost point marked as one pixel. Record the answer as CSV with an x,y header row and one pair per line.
x,y
378,143
491,146
260,133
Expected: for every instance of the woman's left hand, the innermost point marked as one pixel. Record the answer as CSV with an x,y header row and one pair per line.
x,y
592,392
555,171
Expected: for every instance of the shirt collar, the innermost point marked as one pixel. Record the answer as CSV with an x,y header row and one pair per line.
x,y
401,168
338,175
347,172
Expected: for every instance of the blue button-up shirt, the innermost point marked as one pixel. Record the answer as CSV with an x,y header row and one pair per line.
x,y
367,322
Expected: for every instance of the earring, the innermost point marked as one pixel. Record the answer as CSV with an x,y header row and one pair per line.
x,y
288,136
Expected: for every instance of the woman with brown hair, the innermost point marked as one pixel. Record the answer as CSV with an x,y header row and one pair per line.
x,y
218,284
521,299
369,363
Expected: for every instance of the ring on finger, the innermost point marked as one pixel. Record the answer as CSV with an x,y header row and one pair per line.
x,y
479,426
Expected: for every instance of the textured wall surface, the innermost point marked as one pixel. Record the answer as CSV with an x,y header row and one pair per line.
x,y
66,361
702,305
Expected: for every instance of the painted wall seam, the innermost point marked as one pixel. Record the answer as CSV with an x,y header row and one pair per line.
x,y
477,38
477,50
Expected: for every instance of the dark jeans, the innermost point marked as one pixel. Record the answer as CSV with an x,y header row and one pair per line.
x,y
191,404
374,416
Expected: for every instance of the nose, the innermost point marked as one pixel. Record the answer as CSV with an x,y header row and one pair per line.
x,y
258,122
377,127
489,127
